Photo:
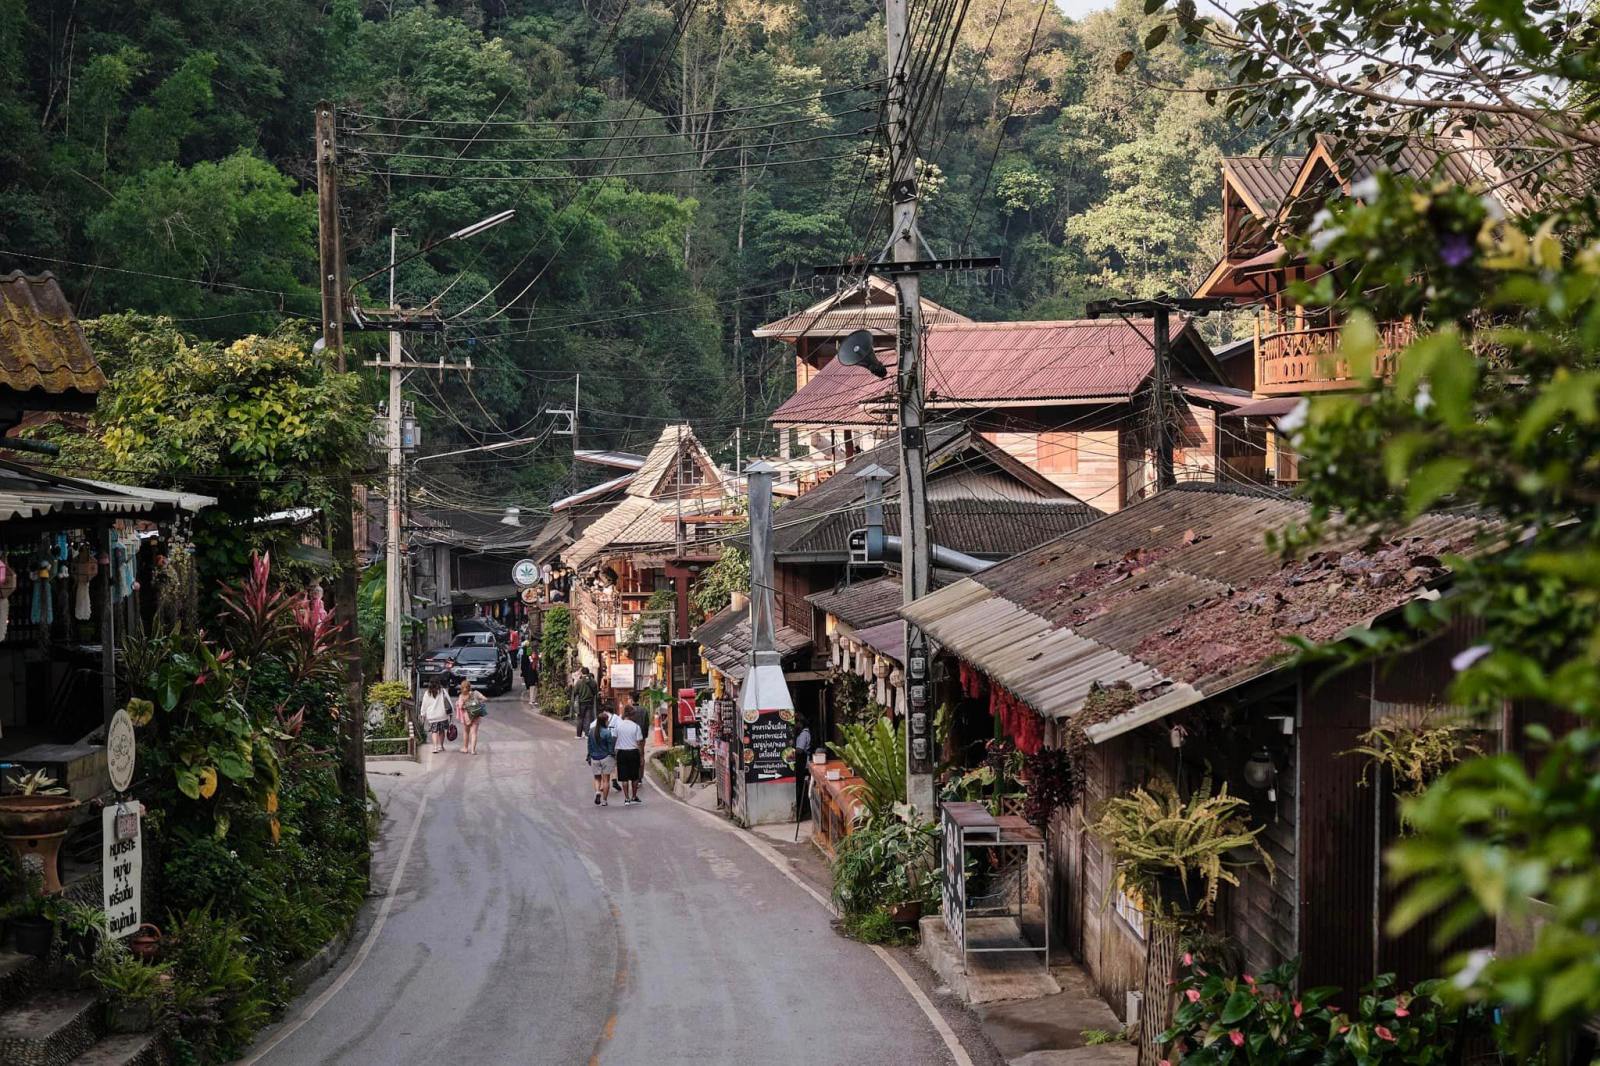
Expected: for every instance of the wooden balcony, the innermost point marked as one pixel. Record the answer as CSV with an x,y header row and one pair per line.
x,y
594,613
1293,360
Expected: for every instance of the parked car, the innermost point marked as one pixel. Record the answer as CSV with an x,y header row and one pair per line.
x,y
482,625
470,640
436,666
488,667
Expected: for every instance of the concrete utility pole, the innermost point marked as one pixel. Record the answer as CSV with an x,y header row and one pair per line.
x,y
1161,343
914,564
392,606
330,254
768,793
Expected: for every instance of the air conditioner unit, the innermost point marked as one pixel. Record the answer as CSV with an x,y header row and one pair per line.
x,y
1135,1004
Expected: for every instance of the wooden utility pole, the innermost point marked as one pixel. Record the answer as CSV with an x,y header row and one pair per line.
x,y
342,525
393,608
915,561
1161,342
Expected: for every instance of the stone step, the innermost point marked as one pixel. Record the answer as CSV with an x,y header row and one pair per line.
x,y
19,975
126,1049
49,1029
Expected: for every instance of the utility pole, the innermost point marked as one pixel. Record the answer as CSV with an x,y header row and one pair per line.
x,y
392,606
914,531
577,382
342,525
1161,344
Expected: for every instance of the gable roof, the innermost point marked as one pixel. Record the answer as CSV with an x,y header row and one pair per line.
x,y
1180,597
1262,181
653,477
989,364
725,641
972,517
41,344
869,305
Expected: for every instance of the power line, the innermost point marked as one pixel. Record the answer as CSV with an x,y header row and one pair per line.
x,y
553,178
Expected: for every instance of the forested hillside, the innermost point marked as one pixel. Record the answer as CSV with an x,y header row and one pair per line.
x,y
676,168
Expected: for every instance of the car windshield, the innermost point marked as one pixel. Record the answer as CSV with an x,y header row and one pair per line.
x,y
476,655
444,654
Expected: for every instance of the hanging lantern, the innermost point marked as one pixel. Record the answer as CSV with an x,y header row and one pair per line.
x,y
897,678
880,667
1261,772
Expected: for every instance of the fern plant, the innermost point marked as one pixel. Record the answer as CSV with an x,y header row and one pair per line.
x,y
877,755
1415,749
1155,834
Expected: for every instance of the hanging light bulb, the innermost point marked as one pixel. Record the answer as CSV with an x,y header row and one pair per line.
x,y
1261,772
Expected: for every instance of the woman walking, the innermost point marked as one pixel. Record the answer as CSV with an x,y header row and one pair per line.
x,y
602,757
530,671
436,713
469,712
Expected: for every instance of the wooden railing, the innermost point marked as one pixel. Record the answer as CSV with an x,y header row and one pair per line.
x,y
1291,360
593,611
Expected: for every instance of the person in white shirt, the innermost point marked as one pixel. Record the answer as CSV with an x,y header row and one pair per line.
x,y
435,711
630,757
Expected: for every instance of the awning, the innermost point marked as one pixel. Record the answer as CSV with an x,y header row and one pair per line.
x,y
1272,407
725,642
26,492
888,638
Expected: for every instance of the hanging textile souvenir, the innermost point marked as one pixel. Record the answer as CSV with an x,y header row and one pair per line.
x,y
8,585
84,569
42,610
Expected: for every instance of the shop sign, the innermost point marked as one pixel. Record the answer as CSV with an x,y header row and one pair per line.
x,y
530,596
121,867
121,751
622,676
525,572
768,743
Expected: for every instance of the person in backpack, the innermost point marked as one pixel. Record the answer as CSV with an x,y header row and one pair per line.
x,y
602,757
585,697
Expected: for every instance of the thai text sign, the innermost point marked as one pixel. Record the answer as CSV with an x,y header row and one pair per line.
x,y
121,867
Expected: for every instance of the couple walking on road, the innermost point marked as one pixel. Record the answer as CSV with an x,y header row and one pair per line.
x,y
615,746
469,710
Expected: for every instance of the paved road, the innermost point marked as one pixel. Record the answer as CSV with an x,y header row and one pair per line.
x,y
530,926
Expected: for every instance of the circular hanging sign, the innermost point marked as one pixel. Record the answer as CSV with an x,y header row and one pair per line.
x,y
121,751
530,596
525,572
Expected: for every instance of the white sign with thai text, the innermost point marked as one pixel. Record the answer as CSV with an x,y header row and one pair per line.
x,y
122,863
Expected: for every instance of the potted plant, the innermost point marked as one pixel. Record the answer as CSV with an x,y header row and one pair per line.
x,y
33,817
1176,853
82,927
888,863
133,988
33,917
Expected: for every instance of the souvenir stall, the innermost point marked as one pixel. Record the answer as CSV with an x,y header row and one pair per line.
x,y
82,564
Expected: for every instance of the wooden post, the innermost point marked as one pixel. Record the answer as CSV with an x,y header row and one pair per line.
x,y
342,525
108,626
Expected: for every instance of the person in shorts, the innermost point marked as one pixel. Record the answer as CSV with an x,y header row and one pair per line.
x,y
629,746
435,711
602,757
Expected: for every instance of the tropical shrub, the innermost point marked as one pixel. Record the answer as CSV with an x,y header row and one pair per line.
x,y
889,858
877,755
555,643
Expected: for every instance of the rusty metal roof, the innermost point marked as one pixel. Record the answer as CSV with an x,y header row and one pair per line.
x,y
725,641
41,344
1179,596
867,306
981,364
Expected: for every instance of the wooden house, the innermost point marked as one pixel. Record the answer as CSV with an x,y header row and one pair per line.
x,y
1179,599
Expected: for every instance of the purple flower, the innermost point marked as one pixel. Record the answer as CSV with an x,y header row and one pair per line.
x,y
1464,659
1455,250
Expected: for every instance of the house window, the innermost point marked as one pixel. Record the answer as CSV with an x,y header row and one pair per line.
x,y
1131,911
1058,453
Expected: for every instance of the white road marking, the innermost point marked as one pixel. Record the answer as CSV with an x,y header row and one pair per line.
x,y
367,944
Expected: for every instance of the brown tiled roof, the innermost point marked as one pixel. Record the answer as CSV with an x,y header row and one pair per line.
x,y
862,604
1179,596
1266,179
41,344
725,641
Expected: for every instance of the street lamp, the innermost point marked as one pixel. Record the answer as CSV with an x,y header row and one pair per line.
x,y
459,235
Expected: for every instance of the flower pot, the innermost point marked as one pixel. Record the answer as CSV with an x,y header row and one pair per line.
x,y
35,825
130,1017
1175,896
906,913
145,942
34,935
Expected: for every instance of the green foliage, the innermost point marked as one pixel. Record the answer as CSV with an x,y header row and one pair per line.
x,y
124,978
388,693
1155,833
877,755
887,859
876,927
1415,750
218,999
719,581
852,698
555,644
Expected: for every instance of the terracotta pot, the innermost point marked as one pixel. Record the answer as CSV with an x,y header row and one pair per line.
x,y
908,913
33,816
145,942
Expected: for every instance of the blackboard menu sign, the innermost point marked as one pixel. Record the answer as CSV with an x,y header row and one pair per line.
x,y
726,714
769,747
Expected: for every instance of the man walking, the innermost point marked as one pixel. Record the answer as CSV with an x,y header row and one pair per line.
x,y
630,756
585,695
802,770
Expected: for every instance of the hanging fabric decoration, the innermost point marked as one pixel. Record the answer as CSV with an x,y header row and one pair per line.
x,y
129,539
8,585
42,610
84,569
974,685
1019,721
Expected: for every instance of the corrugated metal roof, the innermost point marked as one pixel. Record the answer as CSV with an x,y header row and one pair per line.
x,y
867,306
985,363
29,493
1265,179
593,492
41,344
602,457
863,604
888,638
725,641
1177,594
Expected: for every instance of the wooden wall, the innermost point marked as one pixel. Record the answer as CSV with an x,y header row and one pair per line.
x,y
1076,448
